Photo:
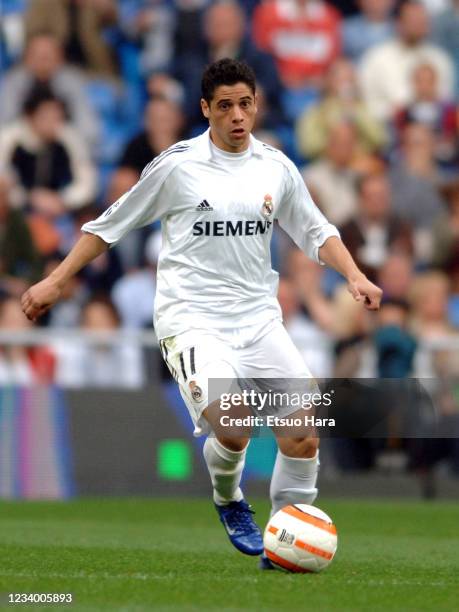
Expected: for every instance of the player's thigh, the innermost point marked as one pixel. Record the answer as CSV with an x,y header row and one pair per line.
x,y
274,367
202,366
286,361
273,356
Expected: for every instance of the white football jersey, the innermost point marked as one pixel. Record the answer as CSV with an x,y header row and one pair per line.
x,y
217,211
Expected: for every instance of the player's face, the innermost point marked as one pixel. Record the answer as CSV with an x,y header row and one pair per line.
x,y
231,114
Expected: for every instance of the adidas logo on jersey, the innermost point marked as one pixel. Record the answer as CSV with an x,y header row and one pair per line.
x,y
204,206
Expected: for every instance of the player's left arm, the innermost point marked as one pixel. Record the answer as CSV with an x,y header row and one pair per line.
x,y
319,239
335,254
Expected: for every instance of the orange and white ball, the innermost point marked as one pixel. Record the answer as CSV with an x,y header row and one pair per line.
x,y
300,538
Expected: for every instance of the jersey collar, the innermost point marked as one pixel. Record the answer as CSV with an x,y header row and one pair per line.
x,y
206,150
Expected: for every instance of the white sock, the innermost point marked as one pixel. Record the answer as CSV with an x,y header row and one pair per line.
x,y
225,468
293,481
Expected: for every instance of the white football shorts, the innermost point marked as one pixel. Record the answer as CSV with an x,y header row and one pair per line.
x,y
235,357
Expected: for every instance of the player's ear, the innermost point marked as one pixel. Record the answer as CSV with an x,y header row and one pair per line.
x,y
256,102
205,108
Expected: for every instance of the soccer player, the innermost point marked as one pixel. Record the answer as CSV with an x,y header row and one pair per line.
x,y
216,311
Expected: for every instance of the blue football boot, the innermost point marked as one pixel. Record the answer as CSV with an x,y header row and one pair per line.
x,y
242,530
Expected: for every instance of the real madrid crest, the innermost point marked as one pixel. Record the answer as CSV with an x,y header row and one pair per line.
x,y
196,392
268,206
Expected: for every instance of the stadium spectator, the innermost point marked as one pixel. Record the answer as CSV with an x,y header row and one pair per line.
x,y
50,159
101,364
43,63
375,231
20,365
372,26
395,346
415,178
445,253
396,275
265,131
224,31
307,280
302,35
354,352
188,26
150,25
20,263
134,293
428,108
341,102
164,125
162,85
11,32
445,33
332,178
309,335
442,364
79,25
429,297
385,70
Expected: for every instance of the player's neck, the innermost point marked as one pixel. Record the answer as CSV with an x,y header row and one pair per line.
x,y
222,146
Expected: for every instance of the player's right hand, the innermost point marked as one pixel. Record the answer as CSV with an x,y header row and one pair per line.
x,y
363,290
39,298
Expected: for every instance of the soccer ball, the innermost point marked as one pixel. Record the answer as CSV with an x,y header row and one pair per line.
x,y
300,538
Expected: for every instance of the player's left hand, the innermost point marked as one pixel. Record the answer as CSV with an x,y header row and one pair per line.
x,y
363,290
39,298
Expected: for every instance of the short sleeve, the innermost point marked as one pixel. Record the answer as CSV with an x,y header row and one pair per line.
x,y
143,204
300,217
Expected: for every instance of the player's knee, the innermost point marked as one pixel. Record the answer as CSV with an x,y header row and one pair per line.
x,y
234,444
301,448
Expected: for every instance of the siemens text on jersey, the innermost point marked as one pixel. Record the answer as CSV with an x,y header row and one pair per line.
x,y
230,228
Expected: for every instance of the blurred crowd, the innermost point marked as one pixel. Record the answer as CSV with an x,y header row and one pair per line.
x,y
363,96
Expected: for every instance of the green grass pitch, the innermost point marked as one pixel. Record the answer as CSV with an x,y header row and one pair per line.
x,y
173,555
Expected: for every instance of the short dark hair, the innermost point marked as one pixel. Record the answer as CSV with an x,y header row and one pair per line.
x,y
39,94
226,72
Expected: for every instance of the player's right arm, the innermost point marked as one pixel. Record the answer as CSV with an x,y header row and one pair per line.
x,y
42,296
146,202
